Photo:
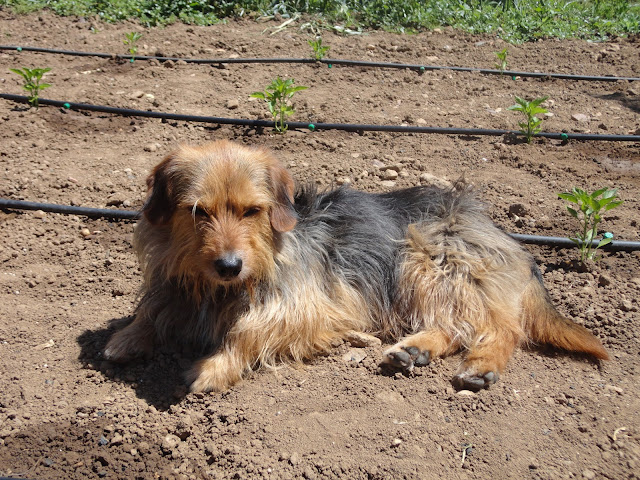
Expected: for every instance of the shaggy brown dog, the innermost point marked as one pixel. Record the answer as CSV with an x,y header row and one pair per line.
x,y
238,267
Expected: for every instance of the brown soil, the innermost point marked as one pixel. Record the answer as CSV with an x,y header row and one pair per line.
x,y
64,413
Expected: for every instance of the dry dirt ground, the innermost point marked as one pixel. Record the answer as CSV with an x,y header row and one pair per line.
x,y
65,281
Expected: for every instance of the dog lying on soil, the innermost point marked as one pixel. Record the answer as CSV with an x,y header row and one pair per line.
x,y
242,267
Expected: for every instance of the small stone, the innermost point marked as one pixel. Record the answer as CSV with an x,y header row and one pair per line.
x,y
137,94
371,47
362,340
465,393
115,200
389,175
580,117
396,442
85,232
427,178
116,439
294,459
233,104
626,306
588,474
47,344
355,355
151,147
613,388
388,183
170,442
102,441
343,181
604,280
397,167
39,214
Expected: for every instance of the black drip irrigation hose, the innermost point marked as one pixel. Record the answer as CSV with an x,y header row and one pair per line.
x,y
557,242
114,214
328,62
317,126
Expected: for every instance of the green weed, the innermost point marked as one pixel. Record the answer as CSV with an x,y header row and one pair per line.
x,y
278,97
588,214
319,50
530,109
502,59
131,40
32,78
514,21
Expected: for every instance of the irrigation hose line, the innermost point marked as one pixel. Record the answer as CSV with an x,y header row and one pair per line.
x,y
114,214
316,126
558,242
329,62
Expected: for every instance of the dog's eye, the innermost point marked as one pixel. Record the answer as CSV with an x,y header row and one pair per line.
x,y
199,212
250,212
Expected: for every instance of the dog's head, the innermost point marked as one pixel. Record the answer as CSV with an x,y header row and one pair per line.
x,y
222,203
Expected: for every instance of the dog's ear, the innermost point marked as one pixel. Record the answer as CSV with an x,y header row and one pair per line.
x,y
283,216
160,203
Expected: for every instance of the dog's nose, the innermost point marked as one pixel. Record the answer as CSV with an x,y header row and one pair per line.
x,y
228,266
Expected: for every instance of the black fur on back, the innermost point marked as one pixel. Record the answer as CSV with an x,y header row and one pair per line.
x,y
360,235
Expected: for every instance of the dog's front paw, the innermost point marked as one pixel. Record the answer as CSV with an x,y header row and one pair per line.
x,y
213,374
406,357
125,346
468,380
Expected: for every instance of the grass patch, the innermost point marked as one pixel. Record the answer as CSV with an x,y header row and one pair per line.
x,y
514,21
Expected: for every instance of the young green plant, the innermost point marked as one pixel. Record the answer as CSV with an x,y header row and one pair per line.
x,y
529,109
32,78
278,97
590,207
502,59
131,40
319,51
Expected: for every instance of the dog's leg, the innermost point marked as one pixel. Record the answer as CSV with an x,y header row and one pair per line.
x,y
215,373
133,341
417,350
486,358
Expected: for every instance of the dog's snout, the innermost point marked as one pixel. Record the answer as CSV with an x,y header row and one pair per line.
x,y
228,266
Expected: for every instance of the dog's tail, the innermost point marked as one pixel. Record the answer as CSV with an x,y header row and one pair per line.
x,y
544,324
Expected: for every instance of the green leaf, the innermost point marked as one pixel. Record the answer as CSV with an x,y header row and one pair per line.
x,y
613,205
569,197
572,212
258,95
604,241
597,193
297,89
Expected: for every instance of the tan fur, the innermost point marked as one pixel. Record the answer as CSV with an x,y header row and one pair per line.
x,y
461,283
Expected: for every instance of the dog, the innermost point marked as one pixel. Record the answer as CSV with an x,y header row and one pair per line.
x,y
244,269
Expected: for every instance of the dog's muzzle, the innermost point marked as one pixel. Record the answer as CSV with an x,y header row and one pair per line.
x,y
228,267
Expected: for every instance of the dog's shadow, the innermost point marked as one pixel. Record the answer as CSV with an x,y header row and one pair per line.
x,y
158,380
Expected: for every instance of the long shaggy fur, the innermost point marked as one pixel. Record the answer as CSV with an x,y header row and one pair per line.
x,y
240,269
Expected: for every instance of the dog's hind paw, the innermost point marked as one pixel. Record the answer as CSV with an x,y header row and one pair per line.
x,y
406,358
474,381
